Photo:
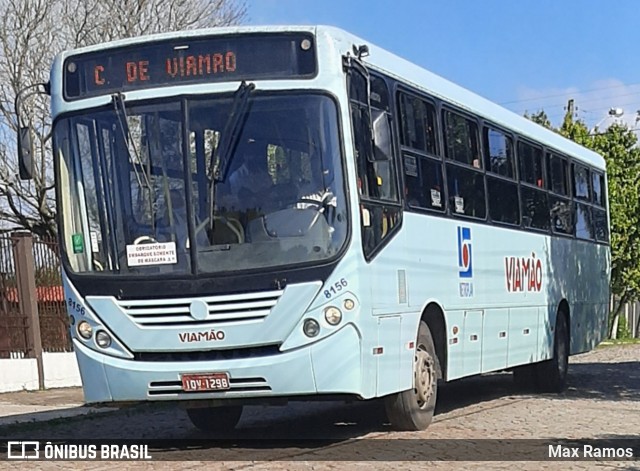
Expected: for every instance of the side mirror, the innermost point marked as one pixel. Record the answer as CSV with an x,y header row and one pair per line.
x,y
25,154
381,135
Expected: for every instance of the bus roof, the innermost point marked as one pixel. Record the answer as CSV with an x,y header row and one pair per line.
x,y
398,68
439,87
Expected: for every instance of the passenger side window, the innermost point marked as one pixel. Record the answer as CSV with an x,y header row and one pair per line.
x,y
461,139
535,208
504,205
581,182
418,124
558,174
597,184
530,161
424,182
560,207
584,225
499,153
600,225
466,191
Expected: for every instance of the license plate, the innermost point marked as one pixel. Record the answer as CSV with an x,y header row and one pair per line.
x,y
205,382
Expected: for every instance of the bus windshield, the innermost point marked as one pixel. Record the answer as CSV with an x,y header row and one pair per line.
x,y
141,192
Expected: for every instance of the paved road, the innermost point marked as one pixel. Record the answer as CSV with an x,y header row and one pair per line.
x,y
602,401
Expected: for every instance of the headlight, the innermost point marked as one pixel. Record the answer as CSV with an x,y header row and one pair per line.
x,y
332,315
311,328
103,339
85,330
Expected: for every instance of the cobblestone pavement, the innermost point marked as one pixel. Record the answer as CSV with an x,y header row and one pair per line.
x,y
602,402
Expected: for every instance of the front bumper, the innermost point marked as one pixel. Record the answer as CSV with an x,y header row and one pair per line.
x,y
329,366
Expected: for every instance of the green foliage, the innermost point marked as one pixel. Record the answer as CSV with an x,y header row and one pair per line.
x,y
623,332
541,118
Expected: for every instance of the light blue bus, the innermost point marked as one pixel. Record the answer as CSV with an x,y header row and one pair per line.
x,y
256,214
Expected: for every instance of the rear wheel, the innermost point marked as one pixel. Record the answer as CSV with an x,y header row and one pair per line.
x,y
412,410
552,374
215,419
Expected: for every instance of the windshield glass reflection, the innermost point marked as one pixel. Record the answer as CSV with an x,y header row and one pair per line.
x,y
145,201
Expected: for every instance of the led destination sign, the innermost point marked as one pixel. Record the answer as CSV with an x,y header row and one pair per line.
x,y
192,60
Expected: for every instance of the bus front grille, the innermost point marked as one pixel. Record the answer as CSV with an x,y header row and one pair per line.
x,y
236,385
210,310
210,355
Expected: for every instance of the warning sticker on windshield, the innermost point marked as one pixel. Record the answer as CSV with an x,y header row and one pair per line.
x,y
151,254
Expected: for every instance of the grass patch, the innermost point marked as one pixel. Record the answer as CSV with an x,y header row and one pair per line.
x,y
612,342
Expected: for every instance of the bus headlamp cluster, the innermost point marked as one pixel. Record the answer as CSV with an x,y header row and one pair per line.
x,y
85,330
332,315
311,328
102,339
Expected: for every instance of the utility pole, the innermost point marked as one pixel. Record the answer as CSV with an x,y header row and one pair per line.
x,y
570,107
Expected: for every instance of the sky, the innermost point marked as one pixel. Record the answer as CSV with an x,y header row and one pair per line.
x,y
526,55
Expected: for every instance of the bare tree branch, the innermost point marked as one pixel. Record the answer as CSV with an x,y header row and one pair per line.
x,y
31,33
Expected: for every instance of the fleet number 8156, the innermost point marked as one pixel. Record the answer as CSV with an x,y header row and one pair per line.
x,y
336,288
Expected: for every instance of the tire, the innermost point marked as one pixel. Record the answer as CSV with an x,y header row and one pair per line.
x,y
215,419
552,374
526,377
413,410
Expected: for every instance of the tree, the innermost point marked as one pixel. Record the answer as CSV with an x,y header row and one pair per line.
x,y
618,145
33,31
539,117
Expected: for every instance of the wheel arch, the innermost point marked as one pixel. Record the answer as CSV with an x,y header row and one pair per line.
x,y
433,316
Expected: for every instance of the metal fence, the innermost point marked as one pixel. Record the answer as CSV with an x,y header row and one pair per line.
x,y
13,324
54,321
631,313
42,282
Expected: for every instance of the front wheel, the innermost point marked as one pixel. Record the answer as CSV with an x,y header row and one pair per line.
x,y
413,410
215,419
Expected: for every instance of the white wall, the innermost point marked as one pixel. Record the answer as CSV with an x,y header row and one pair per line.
x,y
60,370
16,375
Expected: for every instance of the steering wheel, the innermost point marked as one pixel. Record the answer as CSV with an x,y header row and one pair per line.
x,y
233,224
137,241
144,239
318,204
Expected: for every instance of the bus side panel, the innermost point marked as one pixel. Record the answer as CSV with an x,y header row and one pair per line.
x,y
389,359
546,326
455,322
397,337
494,339
523,335
591,290
472,342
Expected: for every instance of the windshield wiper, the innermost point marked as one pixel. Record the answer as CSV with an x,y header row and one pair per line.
x,y
144,182
231,133
224,151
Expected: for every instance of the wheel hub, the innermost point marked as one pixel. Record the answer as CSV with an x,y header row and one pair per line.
x,y
424,376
